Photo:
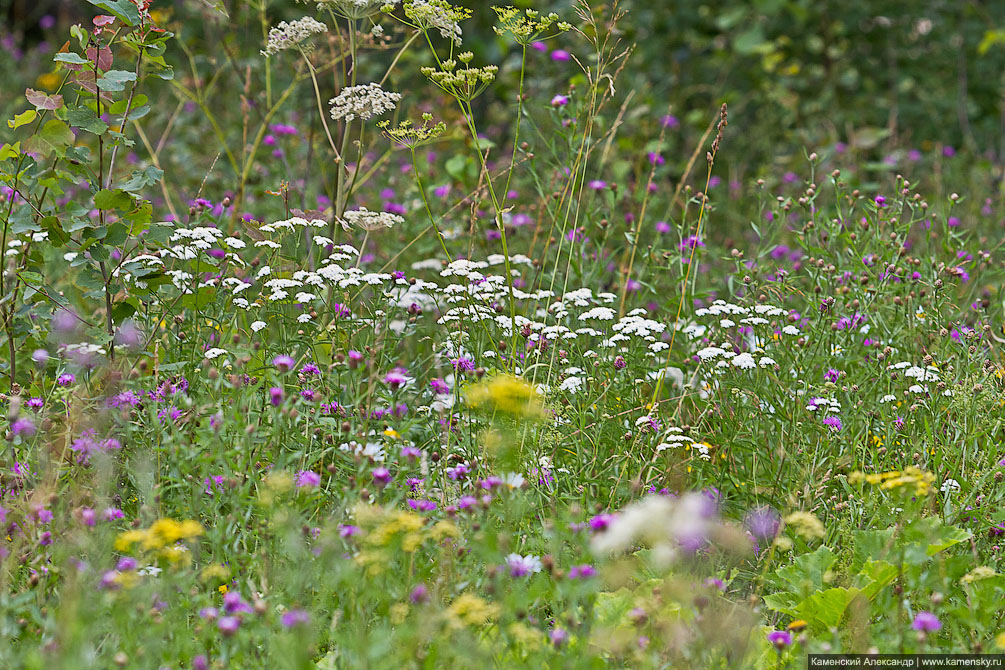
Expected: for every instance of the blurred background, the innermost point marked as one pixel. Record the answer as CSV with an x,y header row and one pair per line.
x,y
884,82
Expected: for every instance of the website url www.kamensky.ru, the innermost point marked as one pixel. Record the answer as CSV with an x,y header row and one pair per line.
x,y
905,661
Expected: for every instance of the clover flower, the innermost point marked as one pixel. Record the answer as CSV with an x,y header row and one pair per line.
x,y
364,101
288,35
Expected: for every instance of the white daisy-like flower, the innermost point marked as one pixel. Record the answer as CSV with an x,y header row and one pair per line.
x,y
257,326
215,352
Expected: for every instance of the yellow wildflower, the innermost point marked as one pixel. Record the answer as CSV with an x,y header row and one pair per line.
x,y
806,524
507,393
470,610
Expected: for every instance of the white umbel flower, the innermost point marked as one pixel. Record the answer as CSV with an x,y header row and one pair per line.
x,y
364,101
288,35
355,9
367,220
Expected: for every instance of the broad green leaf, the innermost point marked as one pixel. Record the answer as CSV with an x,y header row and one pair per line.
x,y
115,80
10,151
57,235
141,179
70,57
112,199
84,118
54,136
123,10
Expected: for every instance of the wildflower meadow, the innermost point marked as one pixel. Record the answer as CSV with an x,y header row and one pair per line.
x,y
572,334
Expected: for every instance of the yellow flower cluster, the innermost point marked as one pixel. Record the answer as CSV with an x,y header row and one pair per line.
x,y
161,537
470,610
910,476
507,393
385,528
806,525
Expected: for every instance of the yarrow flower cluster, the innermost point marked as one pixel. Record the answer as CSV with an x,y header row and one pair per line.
x,y
364,101
367,220
288,35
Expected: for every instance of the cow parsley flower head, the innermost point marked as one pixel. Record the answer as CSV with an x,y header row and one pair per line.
x,y
364,101
437,14
288,35
356,9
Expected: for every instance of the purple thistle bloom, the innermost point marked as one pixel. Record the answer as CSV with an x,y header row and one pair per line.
x,y
381,477
601,522
560,56
23,427
275,396
584,571
310,369
307,478
762,523
346,531
560,101
780,638
558,636
284,363
833,422
65,379
419,594
234,604
292,618
228,625
926,622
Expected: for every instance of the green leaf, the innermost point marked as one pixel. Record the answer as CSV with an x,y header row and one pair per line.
x,y
99,253
807,572
70,57
57,235
10,151
112,199
115,80
85,119
118,233
142,179
22,119
120,106
54,136
123,10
